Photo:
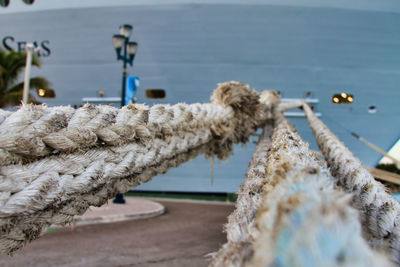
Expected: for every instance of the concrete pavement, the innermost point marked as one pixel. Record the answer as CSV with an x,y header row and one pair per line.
x,y
182,236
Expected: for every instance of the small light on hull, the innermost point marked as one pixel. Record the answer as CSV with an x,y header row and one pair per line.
x,y
100,93
342,98
46,93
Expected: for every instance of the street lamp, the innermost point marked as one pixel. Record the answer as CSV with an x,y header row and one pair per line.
x,y
28,64
125,51
5,3
30,48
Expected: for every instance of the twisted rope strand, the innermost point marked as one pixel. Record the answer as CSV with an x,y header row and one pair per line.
x,y
56,187
19,229
36,131
380,212
303,220
240,228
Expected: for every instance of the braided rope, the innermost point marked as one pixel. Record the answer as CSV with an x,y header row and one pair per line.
x,y
4,114
380,212
240,228
289,105
58,186
19,229
303,220
36,131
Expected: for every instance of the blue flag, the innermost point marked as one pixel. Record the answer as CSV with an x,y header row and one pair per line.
x,y
132,84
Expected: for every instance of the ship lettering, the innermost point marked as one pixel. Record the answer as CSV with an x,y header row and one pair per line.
x,y
10,44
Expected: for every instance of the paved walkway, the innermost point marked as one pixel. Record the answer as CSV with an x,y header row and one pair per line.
x,y
183,236
134,208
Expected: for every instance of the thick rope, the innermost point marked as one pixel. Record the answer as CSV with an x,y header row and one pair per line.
x,y
289,105
241,228
56,187
380,212
20,229
38,131
303,220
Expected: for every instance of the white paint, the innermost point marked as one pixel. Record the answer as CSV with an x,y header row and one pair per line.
x,y
394,152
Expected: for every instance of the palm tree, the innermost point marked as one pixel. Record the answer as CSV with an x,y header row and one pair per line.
x,y
12,65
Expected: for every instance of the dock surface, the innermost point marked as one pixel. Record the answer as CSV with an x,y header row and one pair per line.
x,y
182,236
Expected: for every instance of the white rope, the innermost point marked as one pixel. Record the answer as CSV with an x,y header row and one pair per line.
x,y
380,212
56,187
4,114
289,105
303,220
240,229
17,230
75,173
36,131
56,162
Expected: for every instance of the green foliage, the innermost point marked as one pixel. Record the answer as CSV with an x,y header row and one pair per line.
x,y
12,64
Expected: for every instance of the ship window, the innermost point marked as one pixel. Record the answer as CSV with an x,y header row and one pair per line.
x,y
4,3
342,98
28,2
371,109
155,93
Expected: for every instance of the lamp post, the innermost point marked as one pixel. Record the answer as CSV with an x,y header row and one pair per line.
x,y
30,48
29,52
126,52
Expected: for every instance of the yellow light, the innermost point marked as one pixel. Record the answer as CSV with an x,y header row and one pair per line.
x,y
41,92
344,95
336,100
350,99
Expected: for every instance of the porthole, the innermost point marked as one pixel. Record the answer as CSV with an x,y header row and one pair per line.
x,y
371,109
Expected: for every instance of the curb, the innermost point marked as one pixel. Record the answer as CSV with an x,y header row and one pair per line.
x,y
159,210
134,209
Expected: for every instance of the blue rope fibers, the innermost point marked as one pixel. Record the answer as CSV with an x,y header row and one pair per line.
x,y
330,242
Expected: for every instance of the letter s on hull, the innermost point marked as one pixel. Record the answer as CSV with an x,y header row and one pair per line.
x,y
6,44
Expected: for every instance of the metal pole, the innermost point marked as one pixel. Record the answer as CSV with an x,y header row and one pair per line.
x,y
124,60
374,147
119,197
29,51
